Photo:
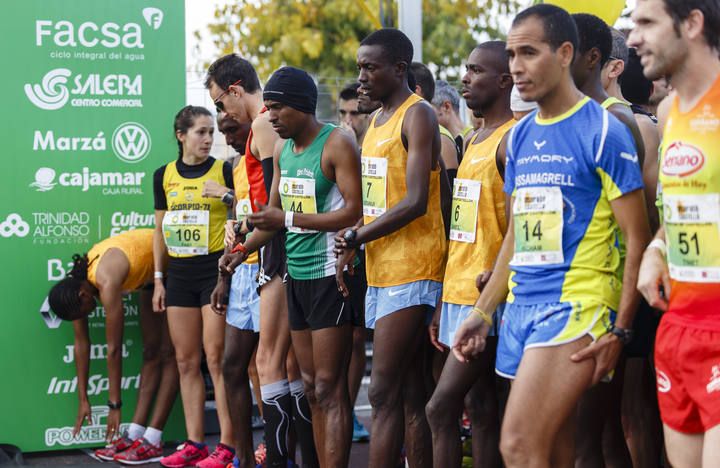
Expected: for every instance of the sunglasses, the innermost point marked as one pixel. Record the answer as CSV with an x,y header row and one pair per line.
x,y
219,105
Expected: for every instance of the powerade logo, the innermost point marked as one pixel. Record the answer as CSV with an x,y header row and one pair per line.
x,y
93,433
57,87
131,142
112,183
65,33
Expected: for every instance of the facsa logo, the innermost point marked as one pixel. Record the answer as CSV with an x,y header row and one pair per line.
x,y
131,142
682,160
14,225
130,182
54,91
153,17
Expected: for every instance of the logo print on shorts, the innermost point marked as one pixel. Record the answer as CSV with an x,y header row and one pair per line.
x,y
14,225
663,382
52,93
714,385
131,142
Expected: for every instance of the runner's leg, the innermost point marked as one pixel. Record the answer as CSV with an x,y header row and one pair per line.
x,y
168,388
684,450
213,330
150,328
416,390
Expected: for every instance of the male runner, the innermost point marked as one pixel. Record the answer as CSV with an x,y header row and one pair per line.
x,y
478,225
243,309
425,88
315,192
353,118
405,244
447,106
573,176
680,271
599,411
234,87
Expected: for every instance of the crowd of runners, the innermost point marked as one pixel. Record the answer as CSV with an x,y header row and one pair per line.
x,y
507,270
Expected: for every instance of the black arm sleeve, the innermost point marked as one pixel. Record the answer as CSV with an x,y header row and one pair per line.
x,y
228,175
267,167
159,190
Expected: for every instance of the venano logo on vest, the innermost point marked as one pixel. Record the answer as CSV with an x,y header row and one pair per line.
x,y
54,91
111,183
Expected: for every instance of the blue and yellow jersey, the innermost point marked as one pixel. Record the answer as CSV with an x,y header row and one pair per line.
x,y
562,174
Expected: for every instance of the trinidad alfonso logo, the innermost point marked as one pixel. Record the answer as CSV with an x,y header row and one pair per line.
x,y
52,92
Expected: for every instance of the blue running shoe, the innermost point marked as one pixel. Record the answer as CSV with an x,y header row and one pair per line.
x,y
360,434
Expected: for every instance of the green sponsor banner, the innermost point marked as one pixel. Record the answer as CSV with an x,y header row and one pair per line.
x,y
89,90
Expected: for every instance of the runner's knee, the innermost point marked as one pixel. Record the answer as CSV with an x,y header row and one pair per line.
x,y
188,363
327,390
439,412
384,394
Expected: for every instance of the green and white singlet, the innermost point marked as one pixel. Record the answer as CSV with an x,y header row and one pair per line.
x,y
305,189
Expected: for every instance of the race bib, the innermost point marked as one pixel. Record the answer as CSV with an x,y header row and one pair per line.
x,y
538,222
374,185
692,229
298,196
463,224
242,209
186,231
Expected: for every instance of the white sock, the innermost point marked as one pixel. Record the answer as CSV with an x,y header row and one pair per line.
x,y
135,431
153,435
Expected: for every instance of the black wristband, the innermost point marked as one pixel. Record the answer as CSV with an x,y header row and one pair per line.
x,y
114,405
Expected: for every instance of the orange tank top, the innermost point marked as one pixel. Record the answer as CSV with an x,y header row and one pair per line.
x,y
137,245
243,207
416,251
477,219
690,180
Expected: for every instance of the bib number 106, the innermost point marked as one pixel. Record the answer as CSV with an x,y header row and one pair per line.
x,y
188,235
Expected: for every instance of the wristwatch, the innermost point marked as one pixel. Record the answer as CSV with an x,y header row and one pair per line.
x,y
624,334
350,236
228,197
114,405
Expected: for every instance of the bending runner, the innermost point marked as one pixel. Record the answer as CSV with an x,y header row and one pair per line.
x,y
111,268
315,191
234,87
558,330
405,245
680,271
189,228
476,232
242,314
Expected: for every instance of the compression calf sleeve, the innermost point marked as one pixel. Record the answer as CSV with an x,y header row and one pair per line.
x,y
277,410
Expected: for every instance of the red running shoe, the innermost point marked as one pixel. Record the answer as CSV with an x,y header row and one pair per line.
x,y
260,454
218,459
118,445
139,453
187,455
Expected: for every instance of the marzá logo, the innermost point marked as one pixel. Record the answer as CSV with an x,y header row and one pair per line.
x,y
14,225
131,142
53,92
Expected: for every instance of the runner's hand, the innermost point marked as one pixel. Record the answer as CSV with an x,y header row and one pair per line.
x,y
434,330
113,425
346,259
230,237
605,351
84,415
482,280
470,338
654,279
212,189
158,299
219,297
268,218
230,261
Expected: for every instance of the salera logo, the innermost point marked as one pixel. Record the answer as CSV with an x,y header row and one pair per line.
x,y
94,90
131,142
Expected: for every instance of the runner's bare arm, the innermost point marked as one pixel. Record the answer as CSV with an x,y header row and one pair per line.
x,y
82,367
649,132
160,256
420,128
264,137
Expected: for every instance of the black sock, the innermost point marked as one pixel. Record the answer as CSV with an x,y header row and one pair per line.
x,y
302,418
277,410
